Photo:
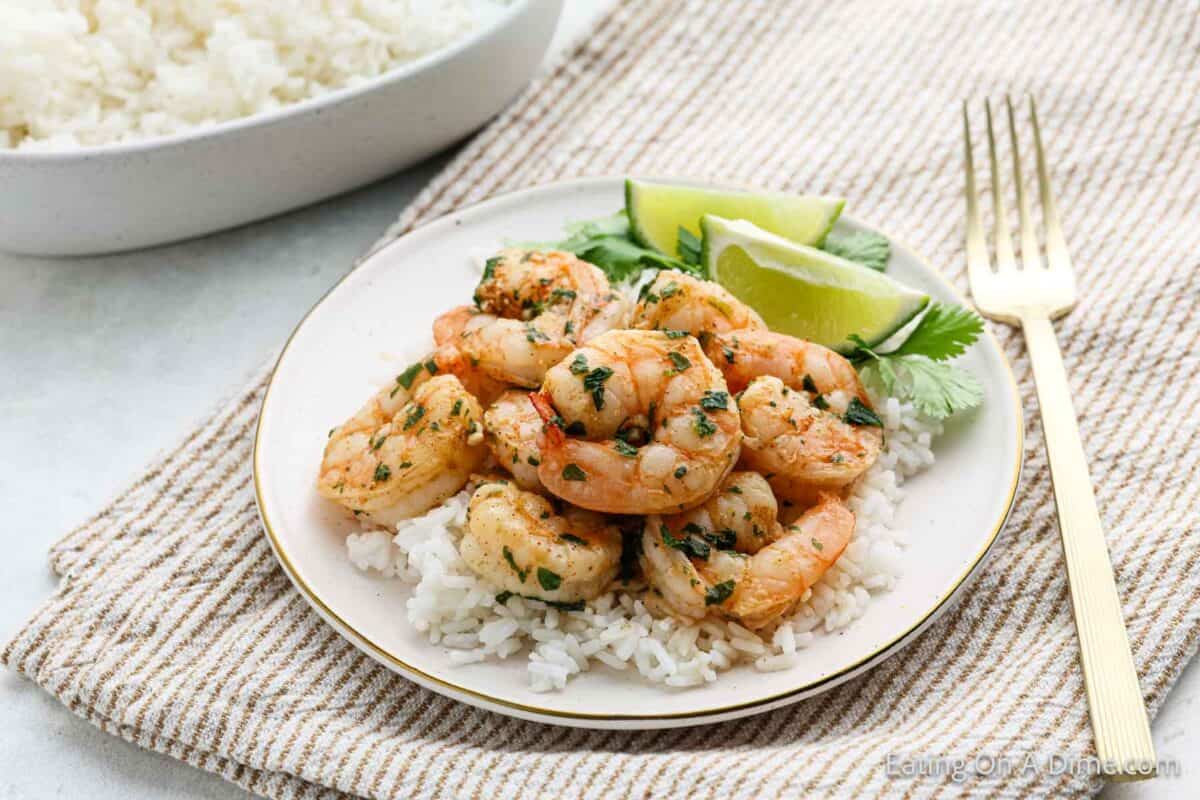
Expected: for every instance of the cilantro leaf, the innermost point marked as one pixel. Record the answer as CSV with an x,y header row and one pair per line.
x,y
689,247
608,243
944,332
866,248
918,370
936,388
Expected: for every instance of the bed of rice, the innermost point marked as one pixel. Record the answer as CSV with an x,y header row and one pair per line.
x,y
458,611
91,72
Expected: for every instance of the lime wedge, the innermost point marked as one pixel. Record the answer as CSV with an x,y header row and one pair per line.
x,y
803,291
658,210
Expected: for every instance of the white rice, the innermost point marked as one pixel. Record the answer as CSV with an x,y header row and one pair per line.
x,y
458,611
91,72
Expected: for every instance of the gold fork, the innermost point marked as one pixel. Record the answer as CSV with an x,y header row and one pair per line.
x,y
1031,296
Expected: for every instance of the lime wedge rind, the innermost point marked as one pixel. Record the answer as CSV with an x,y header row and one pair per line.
x,y
803,291
657,210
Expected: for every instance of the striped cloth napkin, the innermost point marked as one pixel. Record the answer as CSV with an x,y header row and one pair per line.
x,y
174,628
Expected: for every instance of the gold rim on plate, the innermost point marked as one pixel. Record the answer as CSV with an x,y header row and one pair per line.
x,y
453,690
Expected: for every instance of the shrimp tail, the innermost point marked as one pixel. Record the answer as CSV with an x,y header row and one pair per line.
x,y
552,423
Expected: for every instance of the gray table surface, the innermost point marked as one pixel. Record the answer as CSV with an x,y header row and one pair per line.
x,y
106,361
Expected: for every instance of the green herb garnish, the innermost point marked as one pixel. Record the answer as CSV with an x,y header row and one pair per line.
x,y
679,360
573,472
689,247
625,448
917,370
703,426
719,593
414,416
688,545
594,383
714,401
859,414
382,472
866,248
512,562
409,375
548,580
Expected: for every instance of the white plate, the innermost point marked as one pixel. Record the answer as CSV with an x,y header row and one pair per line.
x,y
141,193
378,318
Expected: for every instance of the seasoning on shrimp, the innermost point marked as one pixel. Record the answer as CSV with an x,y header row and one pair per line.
x,y
385,465
520,543
532,309
648,422
680,303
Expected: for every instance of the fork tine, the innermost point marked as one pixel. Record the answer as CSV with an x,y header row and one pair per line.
x,y
1005,260
1056,248
978,267
1029,246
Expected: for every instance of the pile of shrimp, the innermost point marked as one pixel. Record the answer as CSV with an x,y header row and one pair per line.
x,y
674,445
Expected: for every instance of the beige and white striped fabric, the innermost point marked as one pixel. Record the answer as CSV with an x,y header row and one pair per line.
x,y
174,628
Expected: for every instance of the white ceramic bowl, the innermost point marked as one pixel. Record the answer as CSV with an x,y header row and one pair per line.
x,y
123,196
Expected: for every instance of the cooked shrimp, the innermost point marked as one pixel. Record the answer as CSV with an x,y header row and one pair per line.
x,y
513,430
694,580
533,309
400,455
745,355
680,302
781,573
519,542
639,422
802,448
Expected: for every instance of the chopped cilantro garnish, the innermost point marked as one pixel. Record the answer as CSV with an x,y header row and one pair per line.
x,y
532,334
383,472
703,426
594,383
573,472
579,365
820,402
414,416
680,471
688,545
671,333
503,597
548,580
719,593
809,384
572,538
407,377
489,267
679,360
512,562
670,290
714,401
859,414
625,448
724,539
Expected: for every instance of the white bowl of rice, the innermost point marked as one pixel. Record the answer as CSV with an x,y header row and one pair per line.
x,y
130,123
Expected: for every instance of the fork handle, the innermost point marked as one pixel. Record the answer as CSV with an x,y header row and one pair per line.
x,y
1119,721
